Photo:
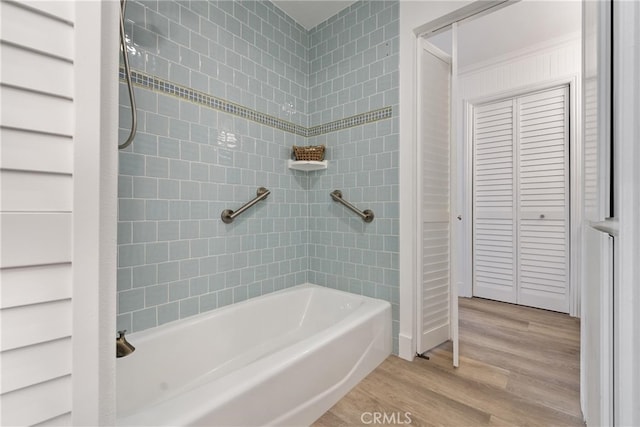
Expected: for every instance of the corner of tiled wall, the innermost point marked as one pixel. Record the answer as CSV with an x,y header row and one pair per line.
x,y
354,69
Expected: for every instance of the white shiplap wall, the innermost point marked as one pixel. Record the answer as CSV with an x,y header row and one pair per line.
x,y
36,166
58,187
549,63
538,64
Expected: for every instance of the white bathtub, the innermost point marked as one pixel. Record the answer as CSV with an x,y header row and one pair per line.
x,y
281,359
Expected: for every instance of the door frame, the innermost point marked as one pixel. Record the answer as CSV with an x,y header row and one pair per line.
x,y
95,191
575,180
418,19
626,136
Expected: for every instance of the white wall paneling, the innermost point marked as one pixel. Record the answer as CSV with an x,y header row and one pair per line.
x,y
46,74
55,29
34,285
33,239
36,192
34,324
540,64
36,111
36,211
43,106
42,401
18,146
24,366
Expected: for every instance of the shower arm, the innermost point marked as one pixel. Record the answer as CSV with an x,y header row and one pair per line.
x,y
127,71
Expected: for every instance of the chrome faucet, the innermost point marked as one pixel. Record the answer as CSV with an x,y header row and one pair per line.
x,y
123,347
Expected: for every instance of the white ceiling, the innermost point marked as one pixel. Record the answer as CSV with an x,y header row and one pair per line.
x,y
310,13
512,28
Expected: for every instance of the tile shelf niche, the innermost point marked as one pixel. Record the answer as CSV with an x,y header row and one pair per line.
x,y
308,165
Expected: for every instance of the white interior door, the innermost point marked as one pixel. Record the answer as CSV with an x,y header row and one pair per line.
x,y
543,199
494,212
521,200
434,313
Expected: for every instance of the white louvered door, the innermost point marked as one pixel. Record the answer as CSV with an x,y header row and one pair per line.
x,y
521,211
543,235
494,209
434,317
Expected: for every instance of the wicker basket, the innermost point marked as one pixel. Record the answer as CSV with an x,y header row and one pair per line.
x,y
311,152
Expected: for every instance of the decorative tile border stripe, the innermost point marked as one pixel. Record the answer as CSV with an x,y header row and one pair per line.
x,y
159,85
357,120
154,83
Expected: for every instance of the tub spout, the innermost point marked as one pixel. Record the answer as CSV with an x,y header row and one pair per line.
x,y
123,347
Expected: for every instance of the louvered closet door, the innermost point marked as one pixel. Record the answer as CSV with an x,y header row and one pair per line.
x,y
494,225
521,210
543,199
433,295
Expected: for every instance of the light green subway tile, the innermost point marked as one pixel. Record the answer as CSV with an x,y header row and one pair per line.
x,y
208,302
130,300
156,295
189,307
168,312
168,272
156,252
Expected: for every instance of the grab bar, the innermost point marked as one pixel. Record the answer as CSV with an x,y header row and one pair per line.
x,y
228,215
366,215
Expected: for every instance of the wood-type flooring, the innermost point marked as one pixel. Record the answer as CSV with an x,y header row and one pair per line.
x,y
519,366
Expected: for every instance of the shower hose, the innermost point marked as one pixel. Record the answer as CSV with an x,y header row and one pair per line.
x,y
127,70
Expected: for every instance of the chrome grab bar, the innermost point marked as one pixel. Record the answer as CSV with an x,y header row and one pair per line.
x,y
228,215
366,215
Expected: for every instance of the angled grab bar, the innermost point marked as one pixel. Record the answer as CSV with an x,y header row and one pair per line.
x,y
366,215
228,215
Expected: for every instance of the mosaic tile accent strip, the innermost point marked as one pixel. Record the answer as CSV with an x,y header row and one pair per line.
x,y
157,84
357,120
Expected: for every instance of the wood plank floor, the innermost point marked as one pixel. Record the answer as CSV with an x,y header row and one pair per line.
x,y
518,366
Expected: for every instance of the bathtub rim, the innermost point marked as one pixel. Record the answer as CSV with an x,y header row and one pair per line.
x,y
149,333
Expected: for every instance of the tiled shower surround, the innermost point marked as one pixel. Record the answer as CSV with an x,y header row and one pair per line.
x,y
224,89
